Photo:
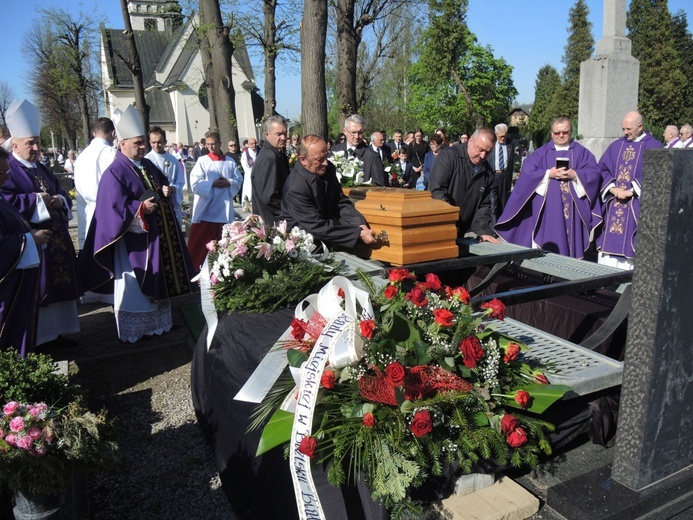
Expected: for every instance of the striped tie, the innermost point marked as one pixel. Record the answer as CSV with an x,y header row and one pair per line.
x,y
501,159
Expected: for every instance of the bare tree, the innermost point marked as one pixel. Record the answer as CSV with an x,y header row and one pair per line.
x,y
353,16
132,62
203,42
313,91
6,98
74,38
221,53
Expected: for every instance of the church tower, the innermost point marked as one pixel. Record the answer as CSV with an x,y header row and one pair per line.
x,y
155,15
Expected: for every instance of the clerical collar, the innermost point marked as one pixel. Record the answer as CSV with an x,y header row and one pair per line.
x,y
25,163
136,163
639,138
562,148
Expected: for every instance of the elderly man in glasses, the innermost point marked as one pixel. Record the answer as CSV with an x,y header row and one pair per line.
x,y
354,127
551,205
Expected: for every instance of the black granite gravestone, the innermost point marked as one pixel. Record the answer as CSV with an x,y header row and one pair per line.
x,y
652,471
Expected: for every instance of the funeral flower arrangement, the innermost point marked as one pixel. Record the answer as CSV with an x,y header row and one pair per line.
x,y
349,169
436,384
46,429
255,268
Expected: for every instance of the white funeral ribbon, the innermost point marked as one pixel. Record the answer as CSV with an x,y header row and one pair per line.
x,y
328,303
207,303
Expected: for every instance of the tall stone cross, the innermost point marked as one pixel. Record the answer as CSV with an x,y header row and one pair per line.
x,y
608,83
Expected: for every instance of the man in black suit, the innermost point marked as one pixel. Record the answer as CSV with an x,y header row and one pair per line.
x,y
502,162
270,171
314,201
355,145
200,150
397,143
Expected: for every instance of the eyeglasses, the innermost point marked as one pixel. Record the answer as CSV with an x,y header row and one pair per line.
x,y
356,132
562,132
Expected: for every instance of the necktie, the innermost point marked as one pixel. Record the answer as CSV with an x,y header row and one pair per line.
x,y
501,159
351,152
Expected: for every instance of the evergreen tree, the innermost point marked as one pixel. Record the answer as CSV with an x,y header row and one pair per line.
x,y
683,40
579,48
548,82
661,95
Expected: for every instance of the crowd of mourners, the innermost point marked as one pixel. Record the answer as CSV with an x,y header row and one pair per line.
x,y
128,203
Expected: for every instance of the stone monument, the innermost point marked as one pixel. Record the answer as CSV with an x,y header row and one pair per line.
x,y
652,471
608,83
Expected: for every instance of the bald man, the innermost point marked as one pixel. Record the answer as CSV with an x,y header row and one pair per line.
x,y
621,171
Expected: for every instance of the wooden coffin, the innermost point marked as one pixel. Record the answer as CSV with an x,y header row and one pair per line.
x,y
419,228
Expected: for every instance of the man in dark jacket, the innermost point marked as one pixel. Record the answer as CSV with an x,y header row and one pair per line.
x,y
270,170
461,177
313,200
373,170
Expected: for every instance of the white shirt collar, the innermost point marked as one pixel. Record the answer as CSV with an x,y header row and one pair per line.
x,y
562,148
25,163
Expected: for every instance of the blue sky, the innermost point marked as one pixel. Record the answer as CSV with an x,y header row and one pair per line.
x,y
528,34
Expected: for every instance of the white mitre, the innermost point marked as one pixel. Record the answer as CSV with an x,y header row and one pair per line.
x,y
128,123
23,119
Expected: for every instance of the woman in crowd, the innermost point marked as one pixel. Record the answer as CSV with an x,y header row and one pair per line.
x,y
435,144
418,149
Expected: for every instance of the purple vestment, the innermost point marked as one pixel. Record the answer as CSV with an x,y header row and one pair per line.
x,y
159,257
18,287
561,220
621,165
59,281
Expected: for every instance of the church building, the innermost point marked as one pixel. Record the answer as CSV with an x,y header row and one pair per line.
x,y
173,73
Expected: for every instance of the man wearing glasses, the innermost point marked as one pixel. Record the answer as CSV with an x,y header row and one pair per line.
x,y
355,146
685,137
233,152
551,205
501,159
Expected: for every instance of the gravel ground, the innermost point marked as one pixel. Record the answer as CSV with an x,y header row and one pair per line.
x,y
166,469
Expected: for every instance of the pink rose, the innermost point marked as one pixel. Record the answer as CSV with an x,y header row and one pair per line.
x,y
290,246
213,280
240,250
238,274
212,246
38,451
17,424
34,432
11,439
10,407
34,412
25,443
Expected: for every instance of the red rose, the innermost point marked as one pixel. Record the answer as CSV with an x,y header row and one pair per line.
x,y
395,373
399,275
471,351
497,308
421,423
417,296
461,294
517,438
328,379
390,291
542,379
340,293
367,328
308,446
511,352
368,419
443,317
298,329
509,423
433,282
522,398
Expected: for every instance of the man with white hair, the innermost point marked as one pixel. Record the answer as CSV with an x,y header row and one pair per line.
x,y
502,162
134,239
621,171
36,193
671,136
354,127
685,137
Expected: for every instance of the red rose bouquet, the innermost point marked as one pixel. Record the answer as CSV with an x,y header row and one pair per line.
x,y
436,384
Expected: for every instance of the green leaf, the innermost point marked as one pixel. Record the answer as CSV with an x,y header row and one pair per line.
x,y
448,363
276,433
480,419
296,357
407,407
403,331
541,396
